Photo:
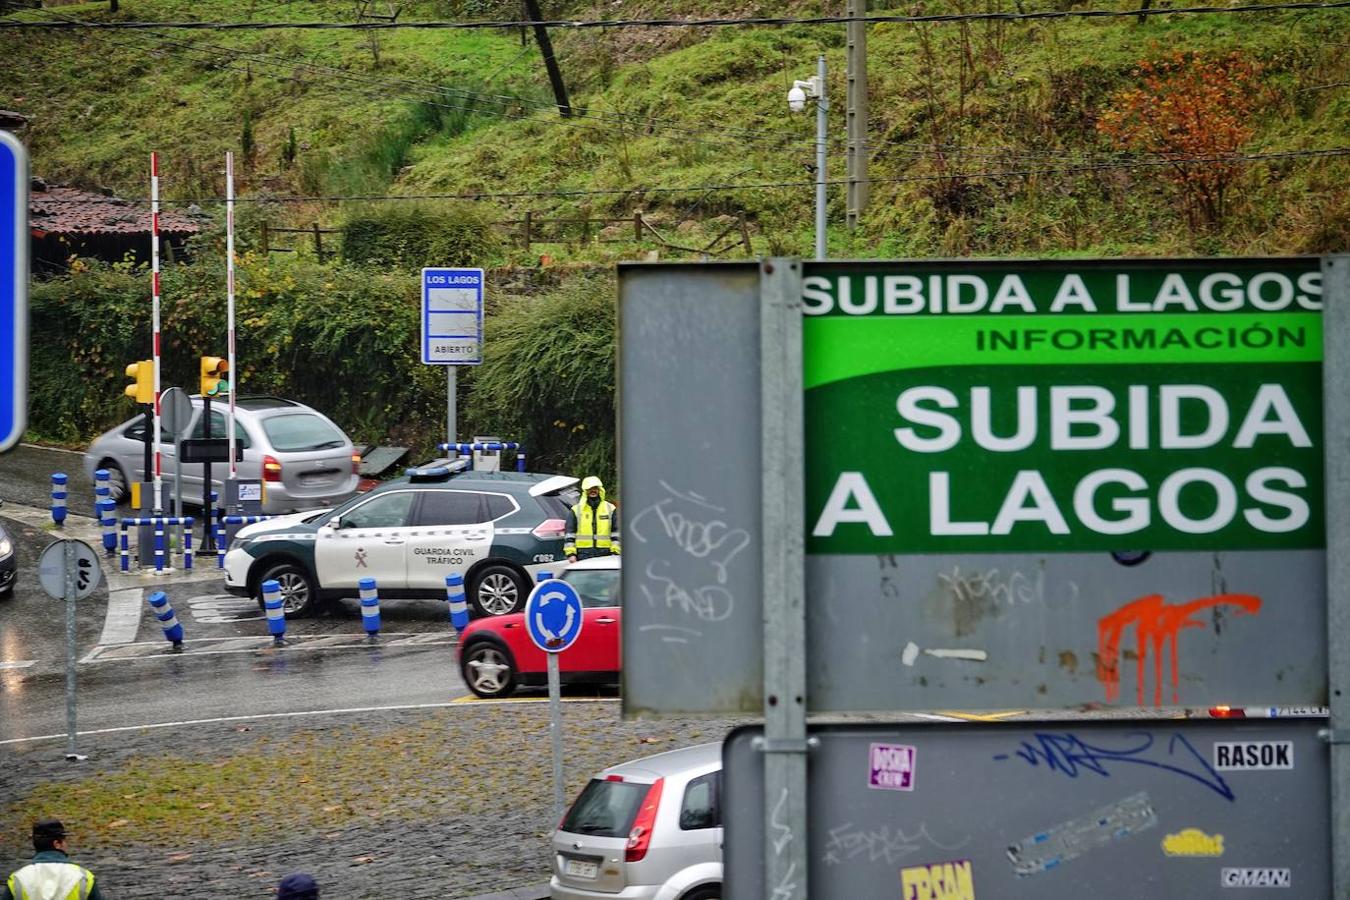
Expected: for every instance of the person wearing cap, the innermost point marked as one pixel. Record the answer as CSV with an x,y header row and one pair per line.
x,y
592,524
51,875
298,886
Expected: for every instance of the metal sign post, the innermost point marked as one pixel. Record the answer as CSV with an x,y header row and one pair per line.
x,y
452,328
784,741
69,570
13,290
553,618
1336,411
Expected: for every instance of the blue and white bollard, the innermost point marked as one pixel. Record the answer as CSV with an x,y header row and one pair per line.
x,y
102,488
159,545
459,604
370,608
520,459
107,517
126,550
185,529
59,498
276,612
542,576
163,610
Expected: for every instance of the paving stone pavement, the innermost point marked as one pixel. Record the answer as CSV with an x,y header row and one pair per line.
x,y
450,803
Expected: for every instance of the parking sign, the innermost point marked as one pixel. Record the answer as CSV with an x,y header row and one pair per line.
x,y
452,317
13,290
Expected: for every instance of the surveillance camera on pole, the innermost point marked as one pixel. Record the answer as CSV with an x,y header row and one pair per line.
x,y
814,88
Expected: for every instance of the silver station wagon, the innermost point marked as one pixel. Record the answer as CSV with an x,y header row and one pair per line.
x,y
304,460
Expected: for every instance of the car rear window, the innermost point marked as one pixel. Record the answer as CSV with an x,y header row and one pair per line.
x,y
559,503
597,587
302,431
605,808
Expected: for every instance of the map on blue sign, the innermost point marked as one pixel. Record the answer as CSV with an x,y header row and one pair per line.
x,y
452,317
13,290
553,616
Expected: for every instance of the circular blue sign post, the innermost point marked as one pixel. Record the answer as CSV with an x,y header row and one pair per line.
x,y
553,615
553,620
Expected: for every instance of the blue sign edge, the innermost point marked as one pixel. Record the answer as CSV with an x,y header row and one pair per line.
x,y
425,346
18,352
537,591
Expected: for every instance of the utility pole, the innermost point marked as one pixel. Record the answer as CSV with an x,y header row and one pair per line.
x,y
858,187
550,63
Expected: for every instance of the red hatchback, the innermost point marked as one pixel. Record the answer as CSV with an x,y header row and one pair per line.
x,y
496,654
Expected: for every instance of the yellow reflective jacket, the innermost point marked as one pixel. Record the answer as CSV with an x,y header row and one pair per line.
x,y
592,531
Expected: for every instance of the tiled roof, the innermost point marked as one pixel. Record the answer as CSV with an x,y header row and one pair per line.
x,y
58,209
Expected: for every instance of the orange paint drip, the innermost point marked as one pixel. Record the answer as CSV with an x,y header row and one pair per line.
x,y
1156,627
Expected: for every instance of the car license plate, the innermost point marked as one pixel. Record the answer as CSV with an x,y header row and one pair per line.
x,y
582,868
1280,712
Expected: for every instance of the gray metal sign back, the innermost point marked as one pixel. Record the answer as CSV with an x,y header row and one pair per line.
x,y
689,454
1108,810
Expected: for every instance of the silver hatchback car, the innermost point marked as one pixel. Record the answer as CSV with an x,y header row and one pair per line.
x,y
303,459
649,829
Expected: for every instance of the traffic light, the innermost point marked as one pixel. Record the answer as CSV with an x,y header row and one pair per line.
x,y
142,387
214,369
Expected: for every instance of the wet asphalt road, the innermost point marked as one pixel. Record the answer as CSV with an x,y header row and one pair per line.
x,y
229,667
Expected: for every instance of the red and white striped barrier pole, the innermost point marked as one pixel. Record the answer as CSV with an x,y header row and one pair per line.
x,y
229,304
154,318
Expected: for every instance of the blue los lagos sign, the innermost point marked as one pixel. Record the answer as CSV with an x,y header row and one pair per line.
x,y
13,290
553,615
452,317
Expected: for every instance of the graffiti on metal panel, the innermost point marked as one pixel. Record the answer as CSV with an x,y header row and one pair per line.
x,y
1051,848
693,585
1193,842
1072,757
939,881
1157,626
849,843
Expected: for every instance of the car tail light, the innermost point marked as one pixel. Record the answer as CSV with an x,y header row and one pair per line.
x,y
550,529
271,468
641,835
356,463
1227,712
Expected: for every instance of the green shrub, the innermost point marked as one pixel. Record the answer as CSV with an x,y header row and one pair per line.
x,y
548,377
341,338
413,235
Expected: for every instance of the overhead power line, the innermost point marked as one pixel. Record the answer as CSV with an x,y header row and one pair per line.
x,y
681,23
1226,159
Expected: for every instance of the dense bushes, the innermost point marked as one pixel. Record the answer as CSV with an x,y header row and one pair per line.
x,y
548,376
411,236
341,338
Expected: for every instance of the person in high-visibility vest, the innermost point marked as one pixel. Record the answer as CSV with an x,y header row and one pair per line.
x,y
593,524
51,875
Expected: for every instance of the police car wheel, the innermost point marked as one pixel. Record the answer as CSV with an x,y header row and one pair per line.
x,y
298,595
497,591
488,671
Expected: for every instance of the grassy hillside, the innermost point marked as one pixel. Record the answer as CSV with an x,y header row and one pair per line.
x,y
455,112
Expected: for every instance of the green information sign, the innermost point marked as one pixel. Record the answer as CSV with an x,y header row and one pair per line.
x,y
996,407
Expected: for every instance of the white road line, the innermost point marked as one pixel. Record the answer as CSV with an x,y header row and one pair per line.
x,y
18,664
260,716
52,449
219,646
124,617
935,717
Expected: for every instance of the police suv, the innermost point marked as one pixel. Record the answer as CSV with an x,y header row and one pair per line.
x,y
496,529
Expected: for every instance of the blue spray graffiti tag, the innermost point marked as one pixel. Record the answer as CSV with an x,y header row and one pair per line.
x,y
1071,756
